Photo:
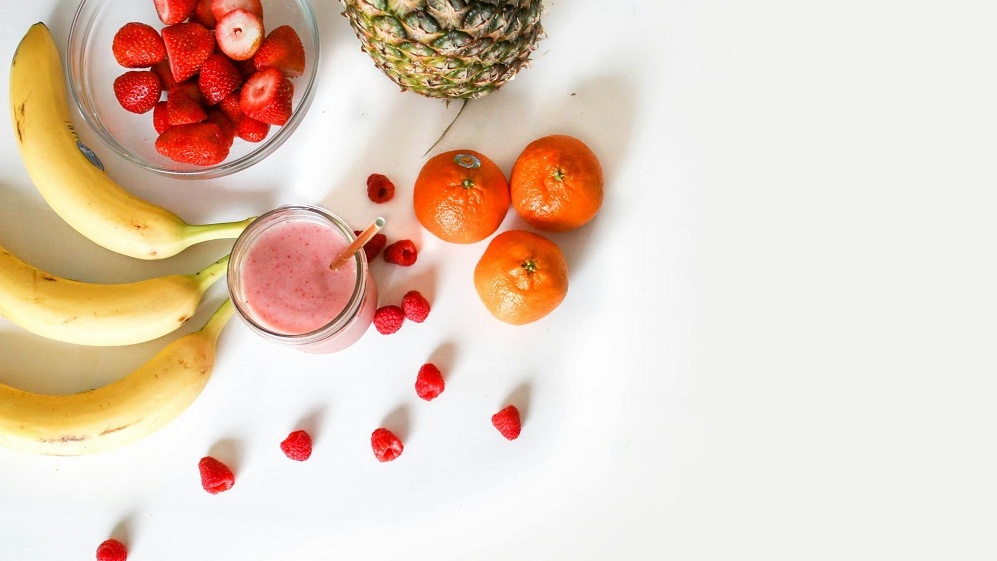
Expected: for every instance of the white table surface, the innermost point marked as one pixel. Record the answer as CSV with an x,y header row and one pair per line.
x,y
777,343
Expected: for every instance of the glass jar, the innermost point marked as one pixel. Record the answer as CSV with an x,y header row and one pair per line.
x,y
283,288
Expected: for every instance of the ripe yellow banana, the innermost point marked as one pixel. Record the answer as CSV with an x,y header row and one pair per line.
x,y
118,413
76,189
100,314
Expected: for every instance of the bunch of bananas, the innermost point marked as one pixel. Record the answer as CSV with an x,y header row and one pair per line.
x,y
99,314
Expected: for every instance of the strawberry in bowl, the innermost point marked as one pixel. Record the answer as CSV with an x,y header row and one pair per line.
x,y
205,56
244,69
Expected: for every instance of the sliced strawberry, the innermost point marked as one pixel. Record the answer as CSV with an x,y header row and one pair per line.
x,y
138,91
137,45
230,106
218,78
160,121
162,69
251,130
174,11
225,126
184,104
203,14
266,97
188,45
239,34
221,7
281,49
200,144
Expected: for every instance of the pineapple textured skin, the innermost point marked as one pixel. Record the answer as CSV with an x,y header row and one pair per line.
x,y
448,49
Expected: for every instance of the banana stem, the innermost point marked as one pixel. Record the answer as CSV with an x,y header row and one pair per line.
x,y
197,233
210,274
217,321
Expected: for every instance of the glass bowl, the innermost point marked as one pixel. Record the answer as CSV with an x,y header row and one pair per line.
x,y
91,69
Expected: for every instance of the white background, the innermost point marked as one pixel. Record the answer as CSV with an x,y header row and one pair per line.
x,y
777,344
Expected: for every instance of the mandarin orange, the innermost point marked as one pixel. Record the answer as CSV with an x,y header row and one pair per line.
x,y
521,277
556,183
461,196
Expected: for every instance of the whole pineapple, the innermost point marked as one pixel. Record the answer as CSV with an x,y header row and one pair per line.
x,y
447,48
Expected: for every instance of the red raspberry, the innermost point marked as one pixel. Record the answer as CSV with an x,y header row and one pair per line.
x,y
297,446
429,382
111,550
402,252
380,189
386,445
415,306
507,422
388,319
373,246
215,476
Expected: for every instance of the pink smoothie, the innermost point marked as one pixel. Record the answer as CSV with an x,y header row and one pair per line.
x,y
287,283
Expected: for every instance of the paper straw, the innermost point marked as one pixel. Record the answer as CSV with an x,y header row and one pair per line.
x,y
358,243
